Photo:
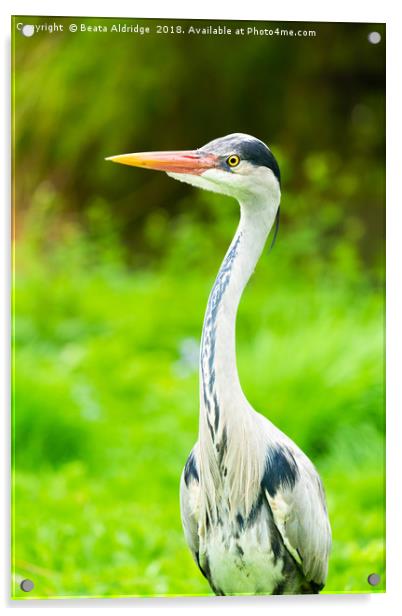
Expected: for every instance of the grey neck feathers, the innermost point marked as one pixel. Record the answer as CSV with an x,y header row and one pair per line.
x,y
222,400
230,467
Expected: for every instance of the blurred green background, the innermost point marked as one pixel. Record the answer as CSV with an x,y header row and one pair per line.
x,y
113,267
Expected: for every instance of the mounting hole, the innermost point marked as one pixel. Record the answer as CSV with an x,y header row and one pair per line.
x,y
374,579
27,585
28,30
374,38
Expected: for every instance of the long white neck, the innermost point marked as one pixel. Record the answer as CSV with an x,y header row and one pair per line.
x,y
222,399
228,444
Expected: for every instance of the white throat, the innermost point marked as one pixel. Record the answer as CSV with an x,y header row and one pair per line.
x,y
224,411
219,378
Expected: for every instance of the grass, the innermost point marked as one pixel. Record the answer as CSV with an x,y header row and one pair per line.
x,y
106,408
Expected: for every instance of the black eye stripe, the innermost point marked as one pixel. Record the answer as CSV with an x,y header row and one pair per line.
x,y
258,154
247,148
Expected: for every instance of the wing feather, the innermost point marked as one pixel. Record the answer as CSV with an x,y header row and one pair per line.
x,y
189,496
300,513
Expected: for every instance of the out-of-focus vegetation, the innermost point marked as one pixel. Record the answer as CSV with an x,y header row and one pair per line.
x,y
113,268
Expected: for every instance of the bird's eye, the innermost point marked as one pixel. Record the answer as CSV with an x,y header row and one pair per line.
x,y
233,160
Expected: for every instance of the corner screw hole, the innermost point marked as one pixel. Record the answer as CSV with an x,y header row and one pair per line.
x,y
27,585
374,38
28,30
374,579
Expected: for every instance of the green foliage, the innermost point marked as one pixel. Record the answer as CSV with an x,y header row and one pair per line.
x,y
318,102
106,404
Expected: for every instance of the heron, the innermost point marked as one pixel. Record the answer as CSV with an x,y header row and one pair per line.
x,y
253,505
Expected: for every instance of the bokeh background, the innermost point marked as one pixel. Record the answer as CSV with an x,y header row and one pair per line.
x,y
113,267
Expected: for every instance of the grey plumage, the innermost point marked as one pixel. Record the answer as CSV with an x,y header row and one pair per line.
x,y
288,521
252,504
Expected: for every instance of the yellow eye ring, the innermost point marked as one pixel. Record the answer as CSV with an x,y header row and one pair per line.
x,y
233,160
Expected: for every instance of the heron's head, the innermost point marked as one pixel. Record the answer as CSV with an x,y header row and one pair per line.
x,y
237,165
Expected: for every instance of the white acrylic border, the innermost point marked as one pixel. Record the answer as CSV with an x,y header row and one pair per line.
x,y
286,10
